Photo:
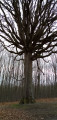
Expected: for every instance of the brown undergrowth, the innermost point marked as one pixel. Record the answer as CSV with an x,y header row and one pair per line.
x,y
47,100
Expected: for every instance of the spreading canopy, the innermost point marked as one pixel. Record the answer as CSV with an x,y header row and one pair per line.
x,y
29,26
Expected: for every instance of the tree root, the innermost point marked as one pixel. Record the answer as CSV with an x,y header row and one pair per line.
x,y
27,100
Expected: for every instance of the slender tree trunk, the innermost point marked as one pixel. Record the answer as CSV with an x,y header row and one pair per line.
x,y
38,86
55,76
28,98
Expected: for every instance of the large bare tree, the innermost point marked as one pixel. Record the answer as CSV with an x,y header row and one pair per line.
x,y
28,27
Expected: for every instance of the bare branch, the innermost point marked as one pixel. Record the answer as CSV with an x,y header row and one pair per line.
x,y
29,26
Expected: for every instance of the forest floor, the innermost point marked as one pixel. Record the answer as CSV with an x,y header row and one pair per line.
x,y
43,109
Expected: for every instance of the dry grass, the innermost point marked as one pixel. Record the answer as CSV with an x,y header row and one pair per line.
x,y
37,100
47,100
8,103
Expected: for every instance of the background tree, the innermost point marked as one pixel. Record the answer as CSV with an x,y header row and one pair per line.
x,y
54,65
28,27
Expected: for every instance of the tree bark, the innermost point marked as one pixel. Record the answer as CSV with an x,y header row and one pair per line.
x,y
28,97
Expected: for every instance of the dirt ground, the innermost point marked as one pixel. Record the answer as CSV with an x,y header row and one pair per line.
x,y
44,109
9,114
11,111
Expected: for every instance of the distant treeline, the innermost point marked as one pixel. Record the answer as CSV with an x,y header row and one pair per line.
x,y
14,93
46,91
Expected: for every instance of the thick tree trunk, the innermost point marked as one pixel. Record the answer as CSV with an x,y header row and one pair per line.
x,y
28,98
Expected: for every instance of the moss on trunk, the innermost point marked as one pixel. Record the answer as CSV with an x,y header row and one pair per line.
x,y
28,92
27,101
